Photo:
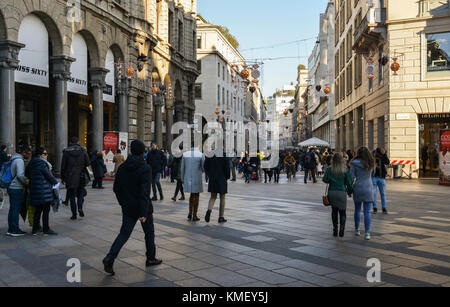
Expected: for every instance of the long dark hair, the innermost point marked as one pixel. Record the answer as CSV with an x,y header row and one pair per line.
x,y
366,158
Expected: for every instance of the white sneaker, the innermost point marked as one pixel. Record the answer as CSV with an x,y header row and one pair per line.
x,y
357,232
367,237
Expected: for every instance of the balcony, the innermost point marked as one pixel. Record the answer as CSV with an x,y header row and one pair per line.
x,y
371,31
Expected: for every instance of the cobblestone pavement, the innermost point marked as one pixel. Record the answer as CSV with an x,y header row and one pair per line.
x,y
276,235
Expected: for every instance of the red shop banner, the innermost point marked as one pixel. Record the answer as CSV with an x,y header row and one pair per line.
x,y
444,157
110,146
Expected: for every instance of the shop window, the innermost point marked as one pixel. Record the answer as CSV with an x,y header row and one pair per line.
x,y
438,52
198,91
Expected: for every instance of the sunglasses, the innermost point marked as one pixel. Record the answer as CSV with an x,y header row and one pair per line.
x,y
45,154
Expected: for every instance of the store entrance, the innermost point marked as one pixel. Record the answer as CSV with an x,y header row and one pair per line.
x,y
429,127
80,119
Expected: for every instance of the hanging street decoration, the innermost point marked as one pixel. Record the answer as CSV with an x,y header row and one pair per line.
x,y
395,67
370,69
327,90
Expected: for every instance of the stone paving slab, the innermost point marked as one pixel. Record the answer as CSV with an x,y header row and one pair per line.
x,y
276,235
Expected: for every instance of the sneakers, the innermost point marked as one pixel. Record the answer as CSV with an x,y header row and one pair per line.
x,y
154,199
108,266
182,198
222,220
50,233
375,210
367,236
81,213
385,211
16,234
74,217
357,232
174,198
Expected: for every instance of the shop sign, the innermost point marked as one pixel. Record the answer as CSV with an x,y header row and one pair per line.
x,y
33,58
444,157
435,117
402,116
79,69
108,92
112,141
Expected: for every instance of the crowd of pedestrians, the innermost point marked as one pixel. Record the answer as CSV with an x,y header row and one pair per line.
x,y
32,186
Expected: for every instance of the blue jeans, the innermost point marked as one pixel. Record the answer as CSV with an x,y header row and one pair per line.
x,y
128,224
15,204
367,206
381,184
156,184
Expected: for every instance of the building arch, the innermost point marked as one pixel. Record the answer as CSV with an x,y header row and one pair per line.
x,y
93,49
3,31
117,52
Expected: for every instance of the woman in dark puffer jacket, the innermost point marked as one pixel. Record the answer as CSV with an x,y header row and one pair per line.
x,y
41,190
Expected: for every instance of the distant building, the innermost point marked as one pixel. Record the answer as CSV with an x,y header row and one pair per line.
x,y
321,76
280,109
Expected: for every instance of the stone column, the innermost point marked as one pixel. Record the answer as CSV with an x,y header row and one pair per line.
x,y
158,102
169,123
179,111
97,80
61,73
124,95
9,52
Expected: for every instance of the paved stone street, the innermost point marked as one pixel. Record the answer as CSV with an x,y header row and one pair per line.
x,y
276,235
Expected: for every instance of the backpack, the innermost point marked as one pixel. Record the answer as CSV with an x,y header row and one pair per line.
x,y
6,177
308,159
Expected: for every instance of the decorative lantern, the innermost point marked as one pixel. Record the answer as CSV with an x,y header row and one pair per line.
x,y
327,90
395,67
370,69
217,112
256,74
318,88
155,89
252,89
130,71
245,74
285,112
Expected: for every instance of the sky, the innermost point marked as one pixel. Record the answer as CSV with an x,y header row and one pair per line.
x,y
262,23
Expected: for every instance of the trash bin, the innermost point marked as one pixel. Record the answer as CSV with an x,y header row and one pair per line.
x,y
398,171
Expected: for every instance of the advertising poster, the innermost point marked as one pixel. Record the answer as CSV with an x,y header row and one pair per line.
x,y
123,143
444,157
110,146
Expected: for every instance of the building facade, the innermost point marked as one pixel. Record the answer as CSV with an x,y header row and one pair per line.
x,y
404,110
321,77
281,110
219,86
80,68
302,122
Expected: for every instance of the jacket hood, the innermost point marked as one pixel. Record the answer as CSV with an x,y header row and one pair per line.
x,y
134,162
357,163
74,150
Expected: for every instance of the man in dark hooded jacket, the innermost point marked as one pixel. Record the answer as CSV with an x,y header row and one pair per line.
x,y
73,170
132,189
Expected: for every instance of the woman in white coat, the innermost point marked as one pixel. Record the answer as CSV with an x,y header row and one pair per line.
x,y
192,168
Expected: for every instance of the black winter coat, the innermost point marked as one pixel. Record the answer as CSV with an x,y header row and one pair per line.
x,y
157,160
75,160
3,158
218,171
98,167
310,161
175,168
132,187
41,182
381,161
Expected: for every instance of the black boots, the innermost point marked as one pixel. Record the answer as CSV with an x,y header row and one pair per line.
x,y
222,220
153,262
341,230
108,265
208,216
335,231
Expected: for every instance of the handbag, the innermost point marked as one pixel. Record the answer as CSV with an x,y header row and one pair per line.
x,y
325,200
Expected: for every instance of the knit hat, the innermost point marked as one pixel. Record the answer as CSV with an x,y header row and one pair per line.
x,y
137,148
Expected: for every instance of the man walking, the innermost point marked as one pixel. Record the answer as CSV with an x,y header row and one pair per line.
x,y
310,165
73,173
379,178
15,189
132,189
157,161
218,170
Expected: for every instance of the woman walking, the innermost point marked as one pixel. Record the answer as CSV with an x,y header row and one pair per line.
x,y
99,170
41,190
175,168
192,167
340,185
218,170
118,160
361,173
